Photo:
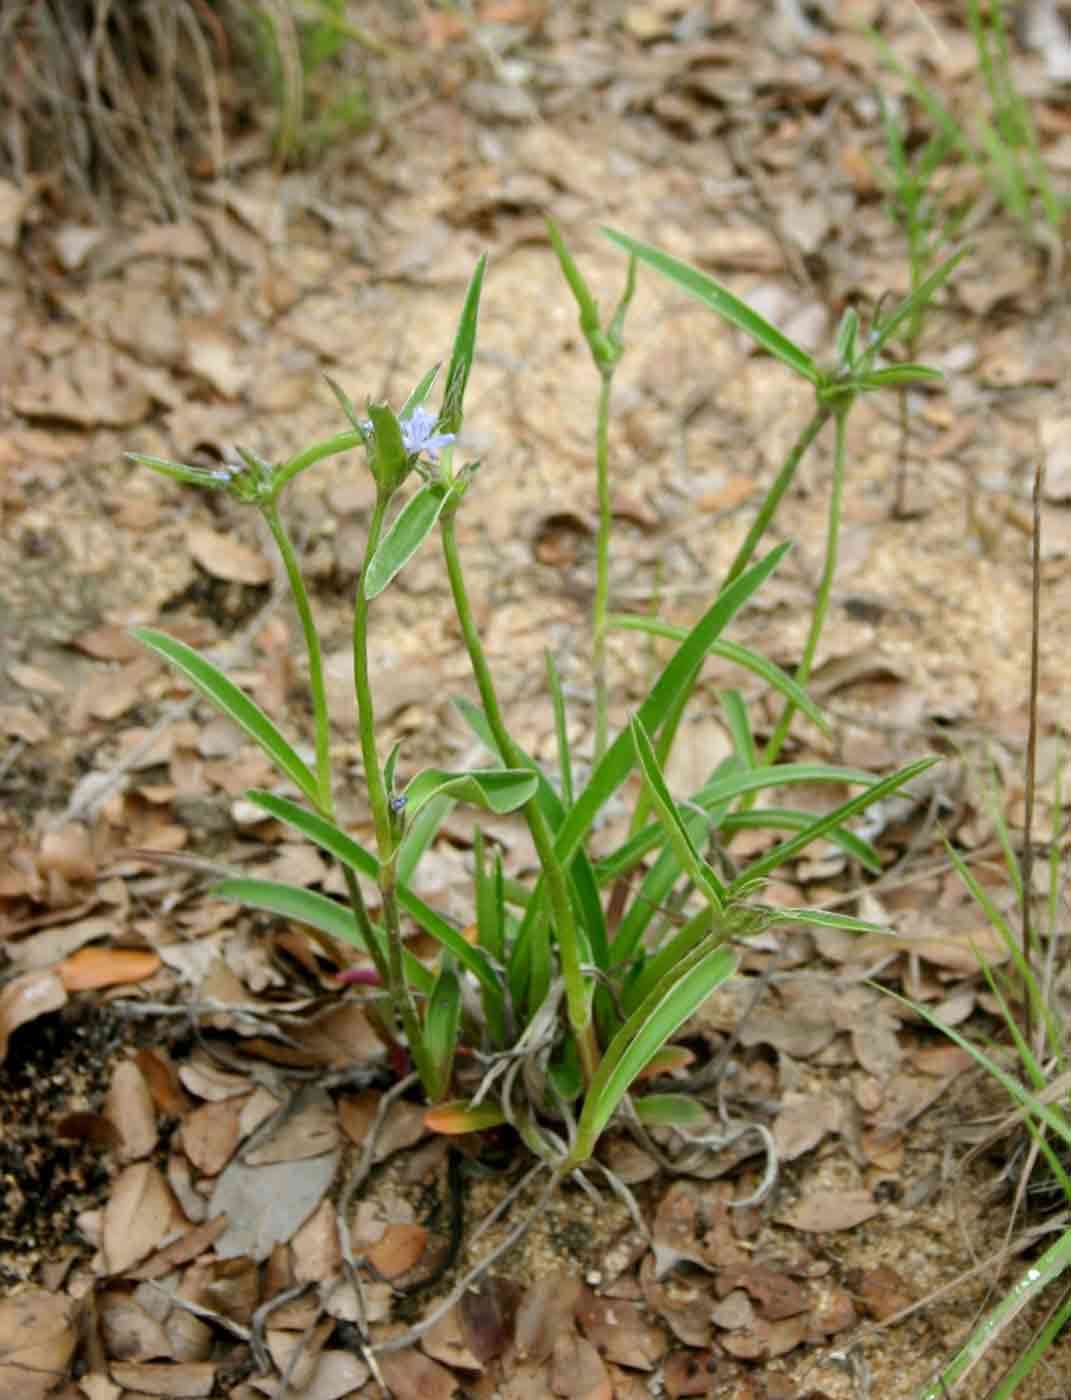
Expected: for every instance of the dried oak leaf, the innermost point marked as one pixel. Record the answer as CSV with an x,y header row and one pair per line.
x,y
831,1209
129,1109
37,1341
619,1331
139,1213
410,1375
24,999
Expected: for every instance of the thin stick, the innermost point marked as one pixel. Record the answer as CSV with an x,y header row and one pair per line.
x,y
1032,743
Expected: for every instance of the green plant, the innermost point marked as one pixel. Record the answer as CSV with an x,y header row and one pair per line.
x,y
1039,1038
548,1017
303,48
914,204
1004,143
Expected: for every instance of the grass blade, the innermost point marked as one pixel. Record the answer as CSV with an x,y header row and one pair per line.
x,y
233,703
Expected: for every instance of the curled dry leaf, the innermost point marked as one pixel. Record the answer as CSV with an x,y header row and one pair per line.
x,y
37,1341
445,1342
140,1212
210,1135
106,967
410,1375
192,1379
577,1370
24,999
824,1210
547,1308
129,1333
619,1331
399,1249
224,557
129,1109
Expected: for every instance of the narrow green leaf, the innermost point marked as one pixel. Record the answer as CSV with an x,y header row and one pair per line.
x,y
391,458
420,832
329,837
178,471
676,830
561,730
658,1017
735,707
788,849
846,333
419,394
408,531
442,1025
498,790
618,759
316,910
357,423
654,889
789,819
920,297
234,703
733,652
670,1111
894,375
457,376
719,299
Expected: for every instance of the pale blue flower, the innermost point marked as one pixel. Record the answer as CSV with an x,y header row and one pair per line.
x,y
419,438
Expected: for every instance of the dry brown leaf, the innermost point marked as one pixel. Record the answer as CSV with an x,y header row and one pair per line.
x,y
139,1213
403,1127
831,1209
68,850
266,1205
619,1331
163,1081
488,1314
210,1134
215,355
399,1249
24,999
181,1251
315,1248
308,1130
224,557
445,1343
776,1295
106,967
410,1375
881,1291
577,1370
194,1379
37,1340
546,1308
803,1122
129,1109
333,1374
689,1373
129,1333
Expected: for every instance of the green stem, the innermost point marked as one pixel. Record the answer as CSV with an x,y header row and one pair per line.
x,y
300,596
557,888
401,993
776,491
379,800
602,569
825,586
341,442
366,719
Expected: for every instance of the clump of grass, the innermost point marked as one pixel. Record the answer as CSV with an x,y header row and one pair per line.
x,y
570,985
1036,1026
108,94
139,96
1001,142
